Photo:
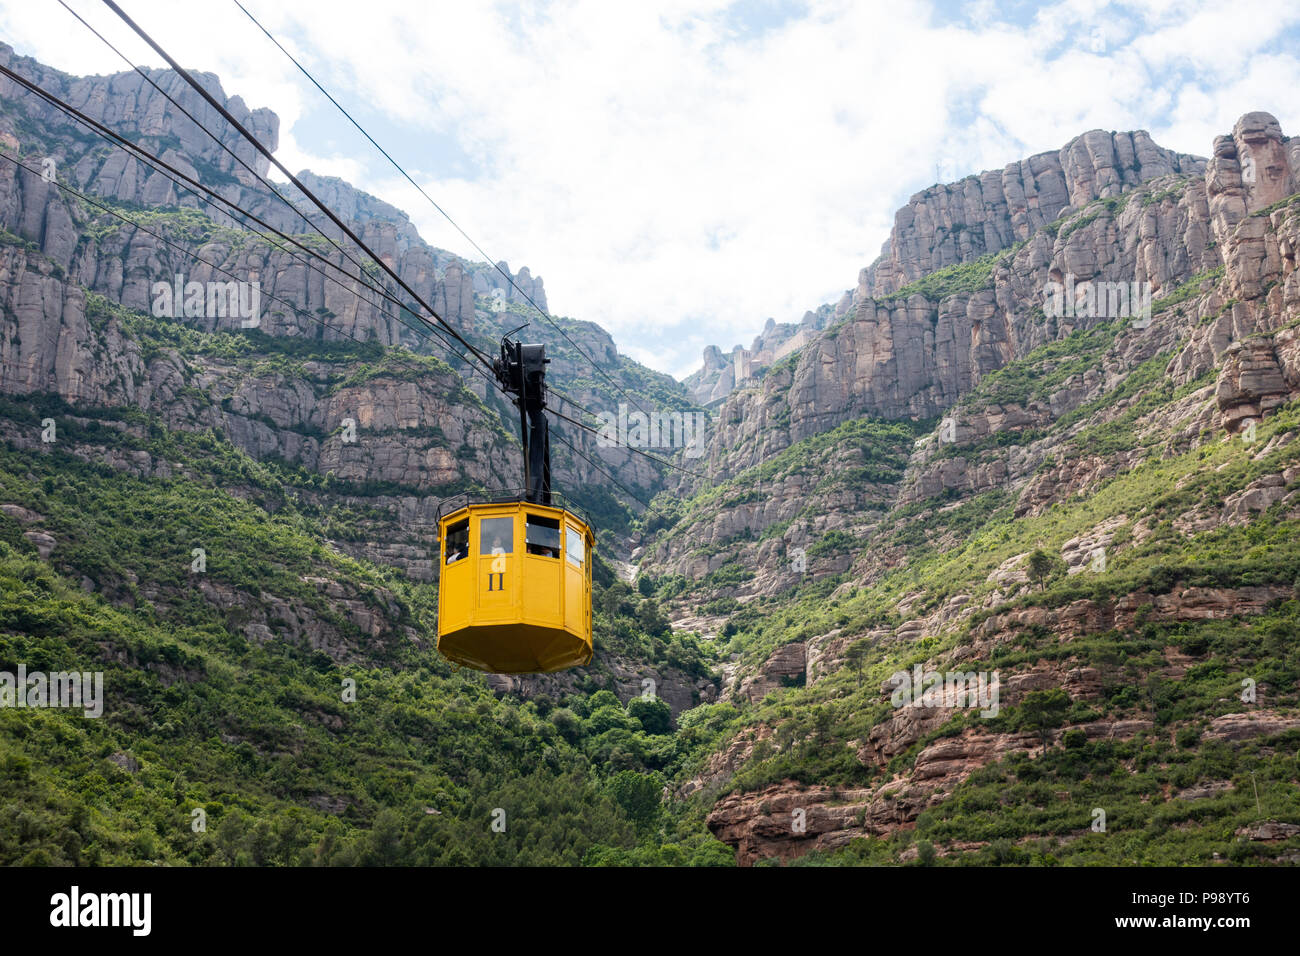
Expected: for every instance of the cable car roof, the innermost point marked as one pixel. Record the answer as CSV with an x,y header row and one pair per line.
x,y
464,500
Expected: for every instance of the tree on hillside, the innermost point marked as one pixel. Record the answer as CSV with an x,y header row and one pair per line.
x,y
652,620
1041,710
1041,566
655,715
856,657
638,794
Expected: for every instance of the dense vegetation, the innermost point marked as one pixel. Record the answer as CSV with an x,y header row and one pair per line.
x,y
380,753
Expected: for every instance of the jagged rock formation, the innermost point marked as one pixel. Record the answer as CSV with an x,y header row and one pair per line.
x,y
720,375
714,380
961,221
35,210
953,223
1216,243
128,104
918,357
299,299
861,366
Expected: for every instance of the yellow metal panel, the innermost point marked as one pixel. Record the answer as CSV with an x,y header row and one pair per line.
x,y
495,587
575,617
455,602
543,596
515,649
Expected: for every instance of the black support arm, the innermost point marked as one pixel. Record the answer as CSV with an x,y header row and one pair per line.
x,y
521,370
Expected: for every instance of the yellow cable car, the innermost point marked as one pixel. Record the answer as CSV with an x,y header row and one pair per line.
x,y
514,593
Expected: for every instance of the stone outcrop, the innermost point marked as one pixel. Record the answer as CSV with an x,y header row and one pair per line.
x,y
784,668
958,222
38,212
1270,831
1250,725
47,344
720,375
787,820
953,223
128,104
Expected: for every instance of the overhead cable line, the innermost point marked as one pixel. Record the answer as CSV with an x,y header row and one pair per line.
x,y
180,178
257,144
220,142
639,451
510,279
194,186
641,501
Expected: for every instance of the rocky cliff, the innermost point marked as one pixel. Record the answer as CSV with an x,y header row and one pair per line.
x,y
722,374
1002,426
954,223
301,299
915,355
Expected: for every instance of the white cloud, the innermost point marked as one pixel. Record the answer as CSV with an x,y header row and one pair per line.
x,y
675,176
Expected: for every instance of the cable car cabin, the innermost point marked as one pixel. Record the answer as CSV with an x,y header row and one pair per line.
x,y
515,594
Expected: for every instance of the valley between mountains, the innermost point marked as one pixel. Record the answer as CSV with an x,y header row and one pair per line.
x,y
940,473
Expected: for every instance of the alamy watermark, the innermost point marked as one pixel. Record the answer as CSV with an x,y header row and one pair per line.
x,y
208,300
657,430
82,690
922,688
125,910
1248,692
1098,300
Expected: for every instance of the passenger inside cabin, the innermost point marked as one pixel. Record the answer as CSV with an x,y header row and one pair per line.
x,y
458,542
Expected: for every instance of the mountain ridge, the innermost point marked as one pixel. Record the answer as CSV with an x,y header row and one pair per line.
x,y
1100,509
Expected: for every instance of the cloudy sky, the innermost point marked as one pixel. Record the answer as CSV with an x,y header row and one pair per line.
x,y
680,170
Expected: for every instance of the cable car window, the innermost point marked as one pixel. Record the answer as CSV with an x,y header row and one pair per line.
x,y
496,536
458,541
543,535
576,546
